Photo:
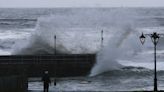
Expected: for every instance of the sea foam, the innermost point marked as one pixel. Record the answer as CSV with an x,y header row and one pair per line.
x,y
80,33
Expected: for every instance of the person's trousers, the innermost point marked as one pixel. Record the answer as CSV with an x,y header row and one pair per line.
x,y
46,88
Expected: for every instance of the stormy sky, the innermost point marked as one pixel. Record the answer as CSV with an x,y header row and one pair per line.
x,y
80,3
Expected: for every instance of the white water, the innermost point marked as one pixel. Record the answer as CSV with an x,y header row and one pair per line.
x,y
79,33
120,44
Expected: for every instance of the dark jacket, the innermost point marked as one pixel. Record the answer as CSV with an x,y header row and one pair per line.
x,y
46,80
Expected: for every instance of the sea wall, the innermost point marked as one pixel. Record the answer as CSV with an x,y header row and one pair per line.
x,y
57,65
16,83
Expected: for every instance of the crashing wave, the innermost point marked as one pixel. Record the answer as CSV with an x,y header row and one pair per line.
x,y
80,33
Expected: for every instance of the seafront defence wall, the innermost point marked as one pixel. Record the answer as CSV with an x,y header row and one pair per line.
x,y
14,83
58,65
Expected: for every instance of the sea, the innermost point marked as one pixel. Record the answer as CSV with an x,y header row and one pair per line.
x,y
122,62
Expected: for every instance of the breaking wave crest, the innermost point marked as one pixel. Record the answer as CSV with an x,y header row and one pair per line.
x,y
80,33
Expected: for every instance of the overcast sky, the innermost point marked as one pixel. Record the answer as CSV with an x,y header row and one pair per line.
x,y
81,3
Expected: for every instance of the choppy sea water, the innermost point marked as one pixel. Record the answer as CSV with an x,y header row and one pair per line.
x,y
133,77
18,26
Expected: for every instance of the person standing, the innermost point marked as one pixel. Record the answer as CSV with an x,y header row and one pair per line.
x,y
46,81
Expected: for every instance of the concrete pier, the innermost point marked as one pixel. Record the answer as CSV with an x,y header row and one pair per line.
x,y
62,65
